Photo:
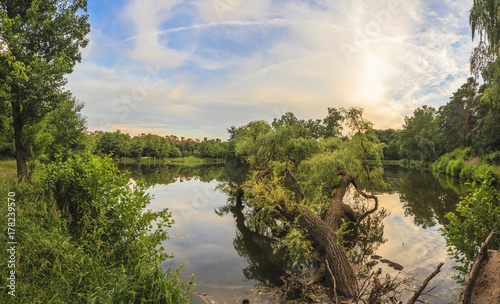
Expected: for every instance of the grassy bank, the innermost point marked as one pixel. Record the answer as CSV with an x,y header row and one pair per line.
x,y
193,160
7,168
465,165
106,254
171,161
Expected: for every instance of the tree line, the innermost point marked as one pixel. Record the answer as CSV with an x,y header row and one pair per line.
x,y
155,146
471,119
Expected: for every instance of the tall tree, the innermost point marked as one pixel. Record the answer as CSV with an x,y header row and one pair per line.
x,y
66,127
420,137
457,117
41,43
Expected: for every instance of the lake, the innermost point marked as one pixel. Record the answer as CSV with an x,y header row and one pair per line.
x,y
212,239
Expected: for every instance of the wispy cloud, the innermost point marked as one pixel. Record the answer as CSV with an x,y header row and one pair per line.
x,y
221,63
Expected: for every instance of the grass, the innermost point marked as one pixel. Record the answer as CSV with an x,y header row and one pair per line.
x,y
193,160
8,168
171,161
51,267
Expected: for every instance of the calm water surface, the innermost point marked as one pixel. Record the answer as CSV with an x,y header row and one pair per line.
x,y
211,238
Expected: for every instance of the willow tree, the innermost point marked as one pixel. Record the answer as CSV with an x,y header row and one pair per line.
x,y
297,184
40,43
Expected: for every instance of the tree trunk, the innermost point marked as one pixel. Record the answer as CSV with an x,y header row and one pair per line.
x,y
337,208
321,233
22,170
325,240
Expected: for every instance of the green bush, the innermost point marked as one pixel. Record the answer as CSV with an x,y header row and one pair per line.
x,y
493,158
478,214
467,173
53,266
105,213
441,164
454,167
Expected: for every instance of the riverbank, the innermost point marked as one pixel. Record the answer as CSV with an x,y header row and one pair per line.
x,y
171,161
52,258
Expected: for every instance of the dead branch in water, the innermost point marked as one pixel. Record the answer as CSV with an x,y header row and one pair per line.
x,y
417,293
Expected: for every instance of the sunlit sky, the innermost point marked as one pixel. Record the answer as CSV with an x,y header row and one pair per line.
x,y
194,68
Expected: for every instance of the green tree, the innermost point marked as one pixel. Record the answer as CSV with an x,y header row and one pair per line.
x,y
137,146
458,116
41,43
297,184
420,137
176,153
66,127
333,123
390,138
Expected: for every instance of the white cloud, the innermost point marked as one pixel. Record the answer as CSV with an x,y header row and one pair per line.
x,y
147,16
387,57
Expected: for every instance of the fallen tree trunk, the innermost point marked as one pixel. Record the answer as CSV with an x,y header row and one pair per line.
x,y
325,240
320,232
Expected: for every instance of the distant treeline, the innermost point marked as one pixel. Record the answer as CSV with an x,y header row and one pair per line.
x,y
471,119
154,146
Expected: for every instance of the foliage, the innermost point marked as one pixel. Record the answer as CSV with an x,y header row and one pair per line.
x,y
454,167
462,163
484,20
66,129
390,138
478,214
53,267
104,212
305,171
41,43
458,117
492,158
420,138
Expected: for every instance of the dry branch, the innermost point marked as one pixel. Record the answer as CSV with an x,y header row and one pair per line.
x,y
417,293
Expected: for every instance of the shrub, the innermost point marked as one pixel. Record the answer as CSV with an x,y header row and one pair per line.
x,y
454,167
493,158
478,214
441,164
467,173
105,213
96,266
52,267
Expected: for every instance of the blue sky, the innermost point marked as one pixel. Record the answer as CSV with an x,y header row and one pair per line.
x,y
194,68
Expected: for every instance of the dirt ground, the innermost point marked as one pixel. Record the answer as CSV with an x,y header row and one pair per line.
x,y
487,286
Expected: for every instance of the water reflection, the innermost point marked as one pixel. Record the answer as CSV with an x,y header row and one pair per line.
x,y
164,174
228,257
264,266
424,197
370,232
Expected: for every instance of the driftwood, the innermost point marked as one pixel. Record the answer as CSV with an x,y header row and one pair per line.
x,y
471,278
417,293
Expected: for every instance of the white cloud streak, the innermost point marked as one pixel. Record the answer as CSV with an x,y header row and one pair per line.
x,y
387,57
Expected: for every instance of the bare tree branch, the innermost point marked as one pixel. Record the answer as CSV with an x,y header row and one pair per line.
x,y
417,293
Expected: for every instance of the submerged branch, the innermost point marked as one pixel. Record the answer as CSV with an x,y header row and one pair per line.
x,y
417,293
